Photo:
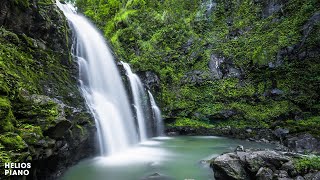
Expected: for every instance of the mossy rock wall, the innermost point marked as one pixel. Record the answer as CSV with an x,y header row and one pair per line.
x,y
239,63
41,108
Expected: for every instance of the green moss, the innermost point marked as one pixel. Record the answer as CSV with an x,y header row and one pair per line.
x,y
261,111
12,141
22,3
191,123
4,157
30,134
81,129
306,164
310,125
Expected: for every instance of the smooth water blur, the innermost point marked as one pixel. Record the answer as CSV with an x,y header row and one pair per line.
x,y
156,116
138,94
101,85
176,157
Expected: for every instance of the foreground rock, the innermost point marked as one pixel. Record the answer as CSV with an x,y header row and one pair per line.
x,y
259,164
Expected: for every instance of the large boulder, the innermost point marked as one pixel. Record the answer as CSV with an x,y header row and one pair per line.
x,y
229,166
257,164
303,143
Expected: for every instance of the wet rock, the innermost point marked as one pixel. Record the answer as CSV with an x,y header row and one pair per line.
x,y
276,92
264,174
150,79
228,166
303,143
273,93
281,133
263,164
223,114
59,129
312,176
239,148
289,168
221,67
299,178
307,28
281,174
270,159
214,64
157,176
270,7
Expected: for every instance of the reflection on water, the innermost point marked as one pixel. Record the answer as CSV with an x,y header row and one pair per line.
x,y
176,157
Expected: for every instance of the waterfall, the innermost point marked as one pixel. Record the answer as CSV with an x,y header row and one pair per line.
x,y
102,86
139,96
157,116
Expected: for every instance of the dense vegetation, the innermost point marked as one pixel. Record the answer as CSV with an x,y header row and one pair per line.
x,y
242,63
308,163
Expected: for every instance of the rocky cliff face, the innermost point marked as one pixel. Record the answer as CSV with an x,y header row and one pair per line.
x,y
44,119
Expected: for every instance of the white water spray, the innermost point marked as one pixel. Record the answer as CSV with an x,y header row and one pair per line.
x,y
157,116
101,86
139,95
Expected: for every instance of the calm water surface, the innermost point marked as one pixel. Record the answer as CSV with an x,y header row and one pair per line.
x,y
175,157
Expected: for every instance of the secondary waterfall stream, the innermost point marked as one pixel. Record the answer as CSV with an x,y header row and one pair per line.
x,y
138,96
156,116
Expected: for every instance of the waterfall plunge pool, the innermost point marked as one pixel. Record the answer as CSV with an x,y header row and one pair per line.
x,y
174,157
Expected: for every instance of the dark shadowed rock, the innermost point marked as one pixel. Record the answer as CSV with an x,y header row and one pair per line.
x,y
223,114
264,174
312,176
289,168
59,129
273,93
195,77
150,79
281,133
270,7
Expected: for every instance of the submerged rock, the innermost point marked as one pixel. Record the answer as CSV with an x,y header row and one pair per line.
x,y
157,176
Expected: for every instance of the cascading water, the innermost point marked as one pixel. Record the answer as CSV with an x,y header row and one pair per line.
x,y
101,86
157,116
139,95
